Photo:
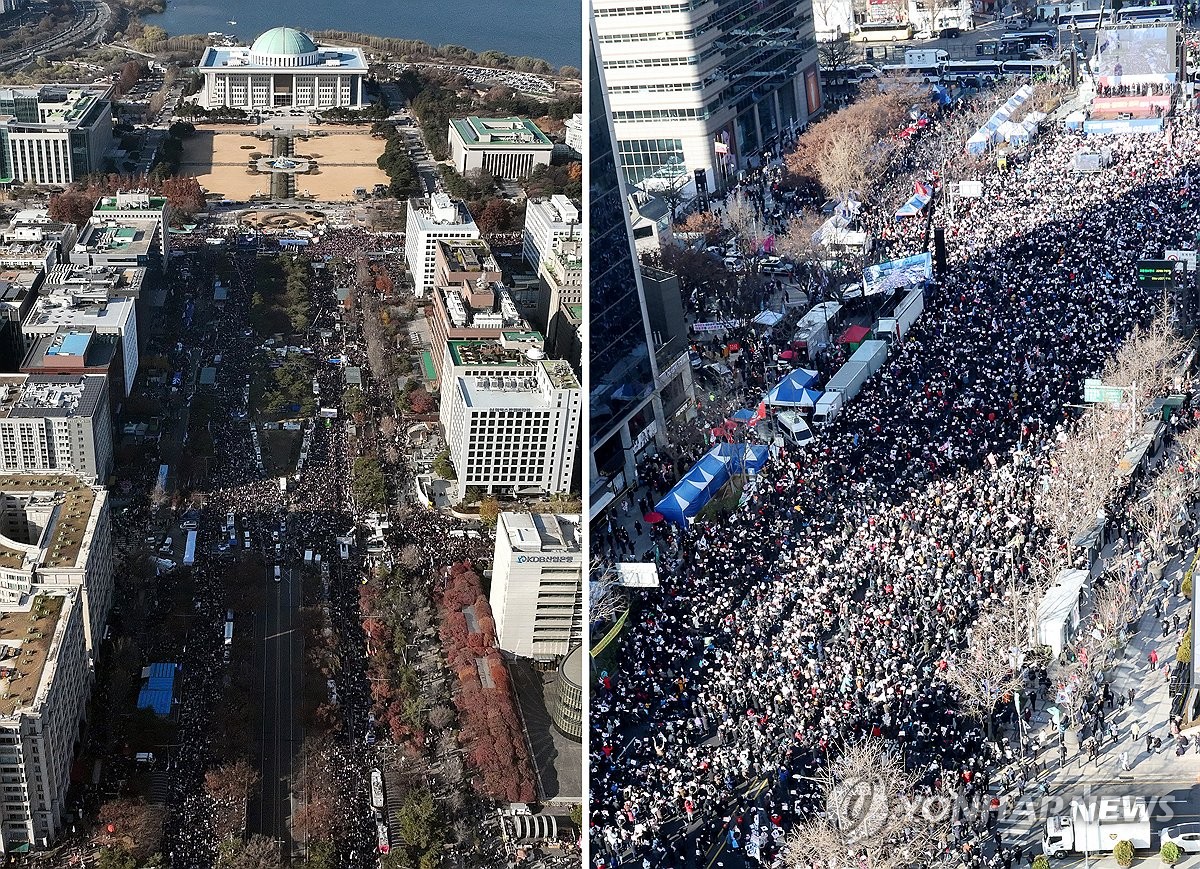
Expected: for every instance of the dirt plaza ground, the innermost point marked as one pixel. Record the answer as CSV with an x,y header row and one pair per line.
x,y
345,156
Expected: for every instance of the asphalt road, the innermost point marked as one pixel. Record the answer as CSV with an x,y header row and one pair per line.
x,y
281,683
91,17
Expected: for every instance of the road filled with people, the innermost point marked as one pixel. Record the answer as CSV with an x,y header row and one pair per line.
x,y
819,612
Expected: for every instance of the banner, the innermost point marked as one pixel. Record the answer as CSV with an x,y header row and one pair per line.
x,y
897,274
717,326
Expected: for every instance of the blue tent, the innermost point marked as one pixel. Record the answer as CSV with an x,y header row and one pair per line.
x,y
750,457
158,690
792,391
706,478
743,415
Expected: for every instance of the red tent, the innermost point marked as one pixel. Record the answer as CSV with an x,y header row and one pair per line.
x,y
854,335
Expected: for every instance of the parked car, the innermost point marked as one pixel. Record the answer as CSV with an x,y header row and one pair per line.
x,y
1186,836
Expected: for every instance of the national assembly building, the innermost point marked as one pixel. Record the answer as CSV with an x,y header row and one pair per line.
x,y
283,69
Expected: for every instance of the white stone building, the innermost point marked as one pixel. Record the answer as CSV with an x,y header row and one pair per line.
x,y
283,69
537,584
438,218
507,148
512,427
546,220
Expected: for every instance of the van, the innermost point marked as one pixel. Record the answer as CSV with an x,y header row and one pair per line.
x,y
278,573
793,428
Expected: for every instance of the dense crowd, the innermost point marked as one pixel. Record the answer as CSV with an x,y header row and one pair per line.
x,y
818,613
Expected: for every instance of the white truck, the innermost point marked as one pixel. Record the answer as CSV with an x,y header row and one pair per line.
x,y
867,359
924,58
1096,831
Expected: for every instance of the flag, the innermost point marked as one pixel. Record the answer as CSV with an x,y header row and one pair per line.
x,y
1028,369
761,413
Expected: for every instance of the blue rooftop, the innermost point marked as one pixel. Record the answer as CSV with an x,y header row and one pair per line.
x,y
158,692
72,344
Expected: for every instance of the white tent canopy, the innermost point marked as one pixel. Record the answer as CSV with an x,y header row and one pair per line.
x,y
1058,613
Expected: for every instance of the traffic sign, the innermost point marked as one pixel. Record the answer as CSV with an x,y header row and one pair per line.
x,y
1095,392
1155,272
1186,256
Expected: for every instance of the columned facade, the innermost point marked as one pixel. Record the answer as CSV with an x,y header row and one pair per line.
x,y
284,69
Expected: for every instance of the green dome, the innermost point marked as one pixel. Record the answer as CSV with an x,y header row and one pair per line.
x,y
283,41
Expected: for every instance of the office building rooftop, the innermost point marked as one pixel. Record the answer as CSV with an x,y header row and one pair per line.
x,y
540,532
50,395
65,505
26,637
495,133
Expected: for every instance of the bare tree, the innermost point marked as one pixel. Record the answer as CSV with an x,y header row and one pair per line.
x,y
988,668
837,55
742,218
872,817
605,600
844,164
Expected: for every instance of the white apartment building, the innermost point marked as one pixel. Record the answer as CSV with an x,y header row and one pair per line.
x,y
537,584
573,135
512,427
693,87
283,69
546,220
56,536
56,134
438,218
45,682
56,423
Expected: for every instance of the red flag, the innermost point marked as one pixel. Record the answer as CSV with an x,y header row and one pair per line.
x,y
761,413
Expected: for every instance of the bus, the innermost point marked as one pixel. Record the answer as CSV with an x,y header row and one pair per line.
x,y
923,74
1146,13
956,70
1031,68
1087,19
890,32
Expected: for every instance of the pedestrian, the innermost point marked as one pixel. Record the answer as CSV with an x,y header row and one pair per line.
x,y
1125,761
1153,656
1136,730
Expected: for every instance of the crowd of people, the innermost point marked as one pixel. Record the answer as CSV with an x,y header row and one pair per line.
x,y
818,613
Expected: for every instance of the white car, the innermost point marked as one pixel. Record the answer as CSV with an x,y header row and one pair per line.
x,y
1186,836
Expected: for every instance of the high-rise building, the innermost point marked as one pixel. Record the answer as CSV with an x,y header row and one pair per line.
x,y
545,221
138,206
54,134
56,583
639,367
283,69
705,85
77,319
537,584
512,425
55,535
469,300
431,220
46,684
56,423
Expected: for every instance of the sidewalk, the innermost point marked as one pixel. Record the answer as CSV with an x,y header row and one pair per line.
x,y
1151,774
